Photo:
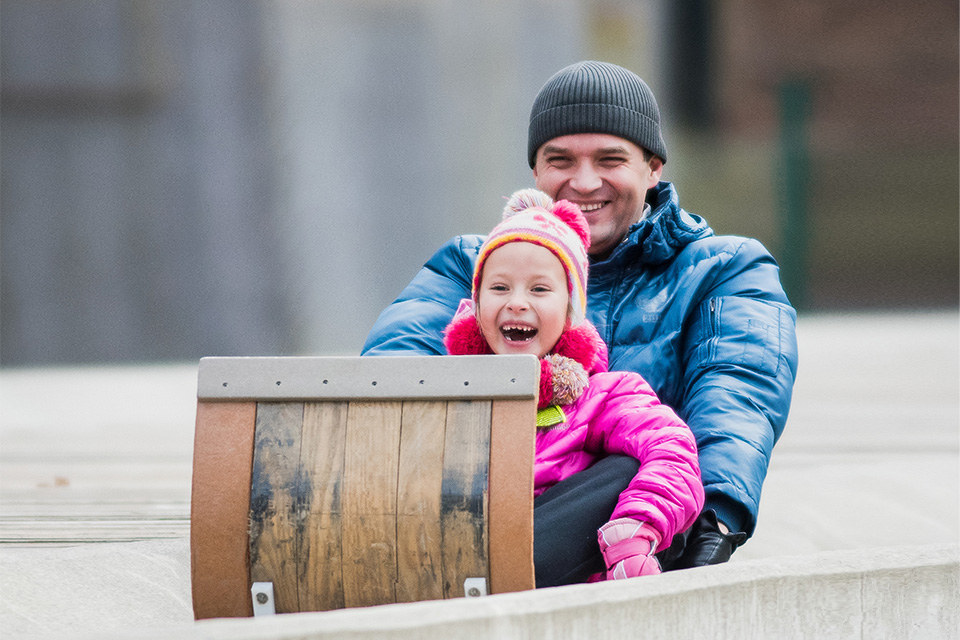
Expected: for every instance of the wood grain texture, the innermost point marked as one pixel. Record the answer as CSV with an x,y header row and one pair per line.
x,y
463,519
323,443
371,462
512,452
220,503
274,490
372,502
419,559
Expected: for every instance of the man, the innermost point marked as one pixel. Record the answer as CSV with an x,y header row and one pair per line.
x,y
702,317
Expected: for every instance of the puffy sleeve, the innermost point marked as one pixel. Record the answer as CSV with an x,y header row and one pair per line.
x,y
413,323
740,356
629,419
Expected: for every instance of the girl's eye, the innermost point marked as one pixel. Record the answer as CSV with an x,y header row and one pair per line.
x,y
498,287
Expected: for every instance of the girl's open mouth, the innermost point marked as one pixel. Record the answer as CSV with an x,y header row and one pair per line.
x,y
517,333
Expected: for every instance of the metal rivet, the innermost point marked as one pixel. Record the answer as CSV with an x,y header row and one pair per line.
x,y
473,592
262,598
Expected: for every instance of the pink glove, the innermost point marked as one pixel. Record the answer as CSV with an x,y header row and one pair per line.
x,y
628,546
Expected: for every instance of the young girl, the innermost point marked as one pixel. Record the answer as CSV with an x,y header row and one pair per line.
x,y
529,296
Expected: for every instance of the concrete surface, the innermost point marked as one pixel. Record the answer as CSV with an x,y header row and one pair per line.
x,y
888,593
95,484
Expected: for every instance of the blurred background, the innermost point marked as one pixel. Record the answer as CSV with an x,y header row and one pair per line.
x,y
221,177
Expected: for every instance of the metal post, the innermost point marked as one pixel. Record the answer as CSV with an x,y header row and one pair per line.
x,y
794,182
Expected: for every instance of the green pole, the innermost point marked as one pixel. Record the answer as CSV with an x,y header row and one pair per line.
x,y
794,182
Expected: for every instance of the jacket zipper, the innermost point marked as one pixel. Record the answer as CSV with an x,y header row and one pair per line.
x,y
715,328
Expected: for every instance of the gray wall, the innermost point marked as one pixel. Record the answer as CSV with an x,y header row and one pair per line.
x,y
397,125
261,177
190,178
137,183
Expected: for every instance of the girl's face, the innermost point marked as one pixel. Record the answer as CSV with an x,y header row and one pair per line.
x,y
523,299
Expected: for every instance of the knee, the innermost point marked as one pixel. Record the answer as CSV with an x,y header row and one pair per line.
x,y
621,465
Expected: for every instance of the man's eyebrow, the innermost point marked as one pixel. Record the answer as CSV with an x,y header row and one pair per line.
x,y
552,148
615,149
612,150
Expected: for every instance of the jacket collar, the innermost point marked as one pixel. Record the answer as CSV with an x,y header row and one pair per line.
x,y
660,235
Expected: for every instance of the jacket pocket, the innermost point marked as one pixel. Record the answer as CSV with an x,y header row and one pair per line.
x,y
743,332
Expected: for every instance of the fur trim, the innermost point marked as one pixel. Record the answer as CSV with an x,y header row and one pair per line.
x,y
462,337
583,344
545,397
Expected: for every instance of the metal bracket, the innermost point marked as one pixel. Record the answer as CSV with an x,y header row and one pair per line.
x,y
262,595
474,587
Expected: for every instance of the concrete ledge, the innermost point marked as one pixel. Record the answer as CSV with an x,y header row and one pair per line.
x,y
906,592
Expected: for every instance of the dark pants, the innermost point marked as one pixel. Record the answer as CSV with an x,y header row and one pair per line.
x,y
567,515
566,518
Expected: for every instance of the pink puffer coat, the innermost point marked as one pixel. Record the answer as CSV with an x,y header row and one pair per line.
x,y
620,414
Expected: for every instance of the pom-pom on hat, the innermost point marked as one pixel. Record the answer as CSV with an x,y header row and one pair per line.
x,y
532,216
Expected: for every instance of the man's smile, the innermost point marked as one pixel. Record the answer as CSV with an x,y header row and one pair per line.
x,y
591,206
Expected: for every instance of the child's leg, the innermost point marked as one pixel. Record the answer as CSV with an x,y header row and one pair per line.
x,y
566,518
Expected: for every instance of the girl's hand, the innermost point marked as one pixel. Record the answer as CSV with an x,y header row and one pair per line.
x,y
628,546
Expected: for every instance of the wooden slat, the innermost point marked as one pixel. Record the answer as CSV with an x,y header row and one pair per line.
x,y
371,462
464,495
512,451
105,510
273,491
419,561
220,503
321,479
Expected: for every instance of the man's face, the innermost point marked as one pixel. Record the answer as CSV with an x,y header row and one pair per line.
x,y
603,174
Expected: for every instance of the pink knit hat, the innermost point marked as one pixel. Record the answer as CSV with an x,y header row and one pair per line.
x,y
531,216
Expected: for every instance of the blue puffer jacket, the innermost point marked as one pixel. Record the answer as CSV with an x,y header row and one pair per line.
x,y
702,318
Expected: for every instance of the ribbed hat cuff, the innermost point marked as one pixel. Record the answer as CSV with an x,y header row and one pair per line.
x,y
629,124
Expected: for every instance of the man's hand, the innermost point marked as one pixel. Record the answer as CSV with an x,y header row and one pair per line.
x,y
708,541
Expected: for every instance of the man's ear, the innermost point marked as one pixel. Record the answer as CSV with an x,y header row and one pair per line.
x,y
656,170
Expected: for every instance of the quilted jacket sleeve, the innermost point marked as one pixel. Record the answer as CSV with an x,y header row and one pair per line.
x,y
629,419
413,324
740,354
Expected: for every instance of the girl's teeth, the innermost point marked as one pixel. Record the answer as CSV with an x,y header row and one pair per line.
x,y
517,334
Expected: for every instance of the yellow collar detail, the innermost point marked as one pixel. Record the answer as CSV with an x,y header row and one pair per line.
x,y
550,416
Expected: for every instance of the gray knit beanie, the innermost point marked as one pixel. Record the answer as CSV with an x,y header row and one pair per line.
x,y
596,97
